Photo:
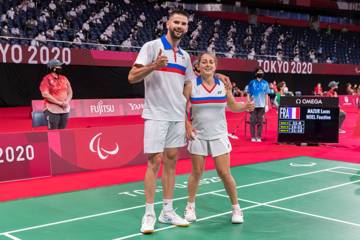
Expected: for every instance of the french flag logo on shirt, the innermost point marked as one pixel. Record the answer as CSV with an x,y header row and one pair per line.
x,y
289,113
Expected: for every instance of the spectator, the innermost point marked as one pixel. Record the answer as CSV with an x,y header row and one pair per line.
x,y
15,31
235,90
52,6
251,55
349,89
5,31
3,18
57,92
333,93
280,93
263,48
258,92
297,58
318,91
286,89
11,13
328,60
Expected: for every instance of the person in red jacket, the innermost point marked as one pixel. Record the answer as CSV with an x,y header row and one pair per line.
x,y
57,93
318,91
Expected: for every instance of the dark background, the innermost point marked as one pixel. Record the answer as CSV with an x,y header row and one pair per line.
x,y
20,82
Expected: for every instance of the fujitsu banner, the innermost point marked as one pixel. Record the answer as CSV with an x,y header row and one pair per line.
x,y
78,150
135,106
100,107
24,156
104,107
41,55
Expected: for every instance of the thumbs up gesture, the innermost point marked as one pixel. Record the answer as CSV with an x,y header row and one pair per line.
x,y
160,61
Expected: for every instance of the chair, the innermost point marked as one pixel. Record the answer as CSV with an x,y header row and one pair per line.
x,y
38,119
247,122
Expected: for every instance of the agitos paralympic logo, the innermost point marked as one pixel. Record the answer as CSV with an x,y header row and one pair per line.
x,y
95,147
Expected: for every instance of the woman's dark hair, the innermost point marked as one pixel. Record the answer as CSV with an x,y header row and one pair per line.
x,y
258,69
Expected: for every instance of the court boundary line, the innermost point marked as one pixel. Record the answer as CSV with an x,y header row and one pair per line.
x,y
295,211
357,169
10,236
160,202
348,173
256,205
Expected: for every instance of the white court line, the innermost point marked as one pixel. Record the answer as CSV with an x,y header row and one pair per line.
x,y
314,215
334,171
160,202
311,192
296,211
357,169
10,236
257,204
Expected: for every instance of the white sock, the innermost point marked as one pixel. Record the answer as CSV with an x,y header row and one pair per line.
x,y
236,206
167,204
191,205
149,208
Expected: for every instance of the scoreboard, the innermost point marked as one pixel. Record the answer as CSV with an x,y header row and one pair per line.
x,y
308,119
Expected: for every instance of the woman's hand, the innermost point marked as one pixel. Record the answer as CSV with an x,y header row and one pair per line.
x,y
190,131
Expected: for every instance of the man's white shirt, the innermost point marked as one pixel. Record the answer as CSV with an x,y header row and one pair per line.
x,y
164,99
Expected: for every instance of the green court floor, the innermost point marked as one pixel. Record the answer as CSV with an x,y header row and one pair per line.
x,y
300,198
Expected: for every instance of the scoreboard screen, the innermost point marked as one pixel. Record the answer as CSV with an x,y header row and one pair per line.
x,y
308,120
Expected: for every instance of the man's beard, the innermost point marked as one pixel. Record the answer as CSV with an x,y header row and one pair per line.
x,y
174,36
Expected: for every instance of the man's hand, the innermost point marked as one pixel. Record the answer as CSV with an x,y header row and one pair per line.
x,y
225,79
160,61
249,106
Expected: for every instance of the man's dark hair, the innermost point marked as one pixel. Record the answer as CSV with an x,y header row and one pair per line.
x,y
179,12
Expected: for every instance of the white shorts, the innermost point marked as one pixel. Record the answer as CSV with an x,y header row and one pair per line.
x,y
159,135
214,147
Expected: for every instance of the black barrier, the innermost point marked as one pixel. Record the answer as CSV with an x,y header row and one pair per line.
x,y
308,120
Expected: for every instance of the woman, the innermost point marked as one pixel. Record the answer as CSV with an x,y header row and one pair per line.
x,y
57,93
207,132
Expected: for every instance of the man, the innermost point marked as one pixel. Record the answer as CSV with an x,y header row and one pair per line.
x,y
333,93
56,90
165,68
258,90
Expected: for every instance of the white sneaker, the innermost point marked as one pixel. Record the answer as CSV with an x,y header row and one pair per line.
x,y
171,217
253,139
233,136
189,214
237,216
258,139
148,223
